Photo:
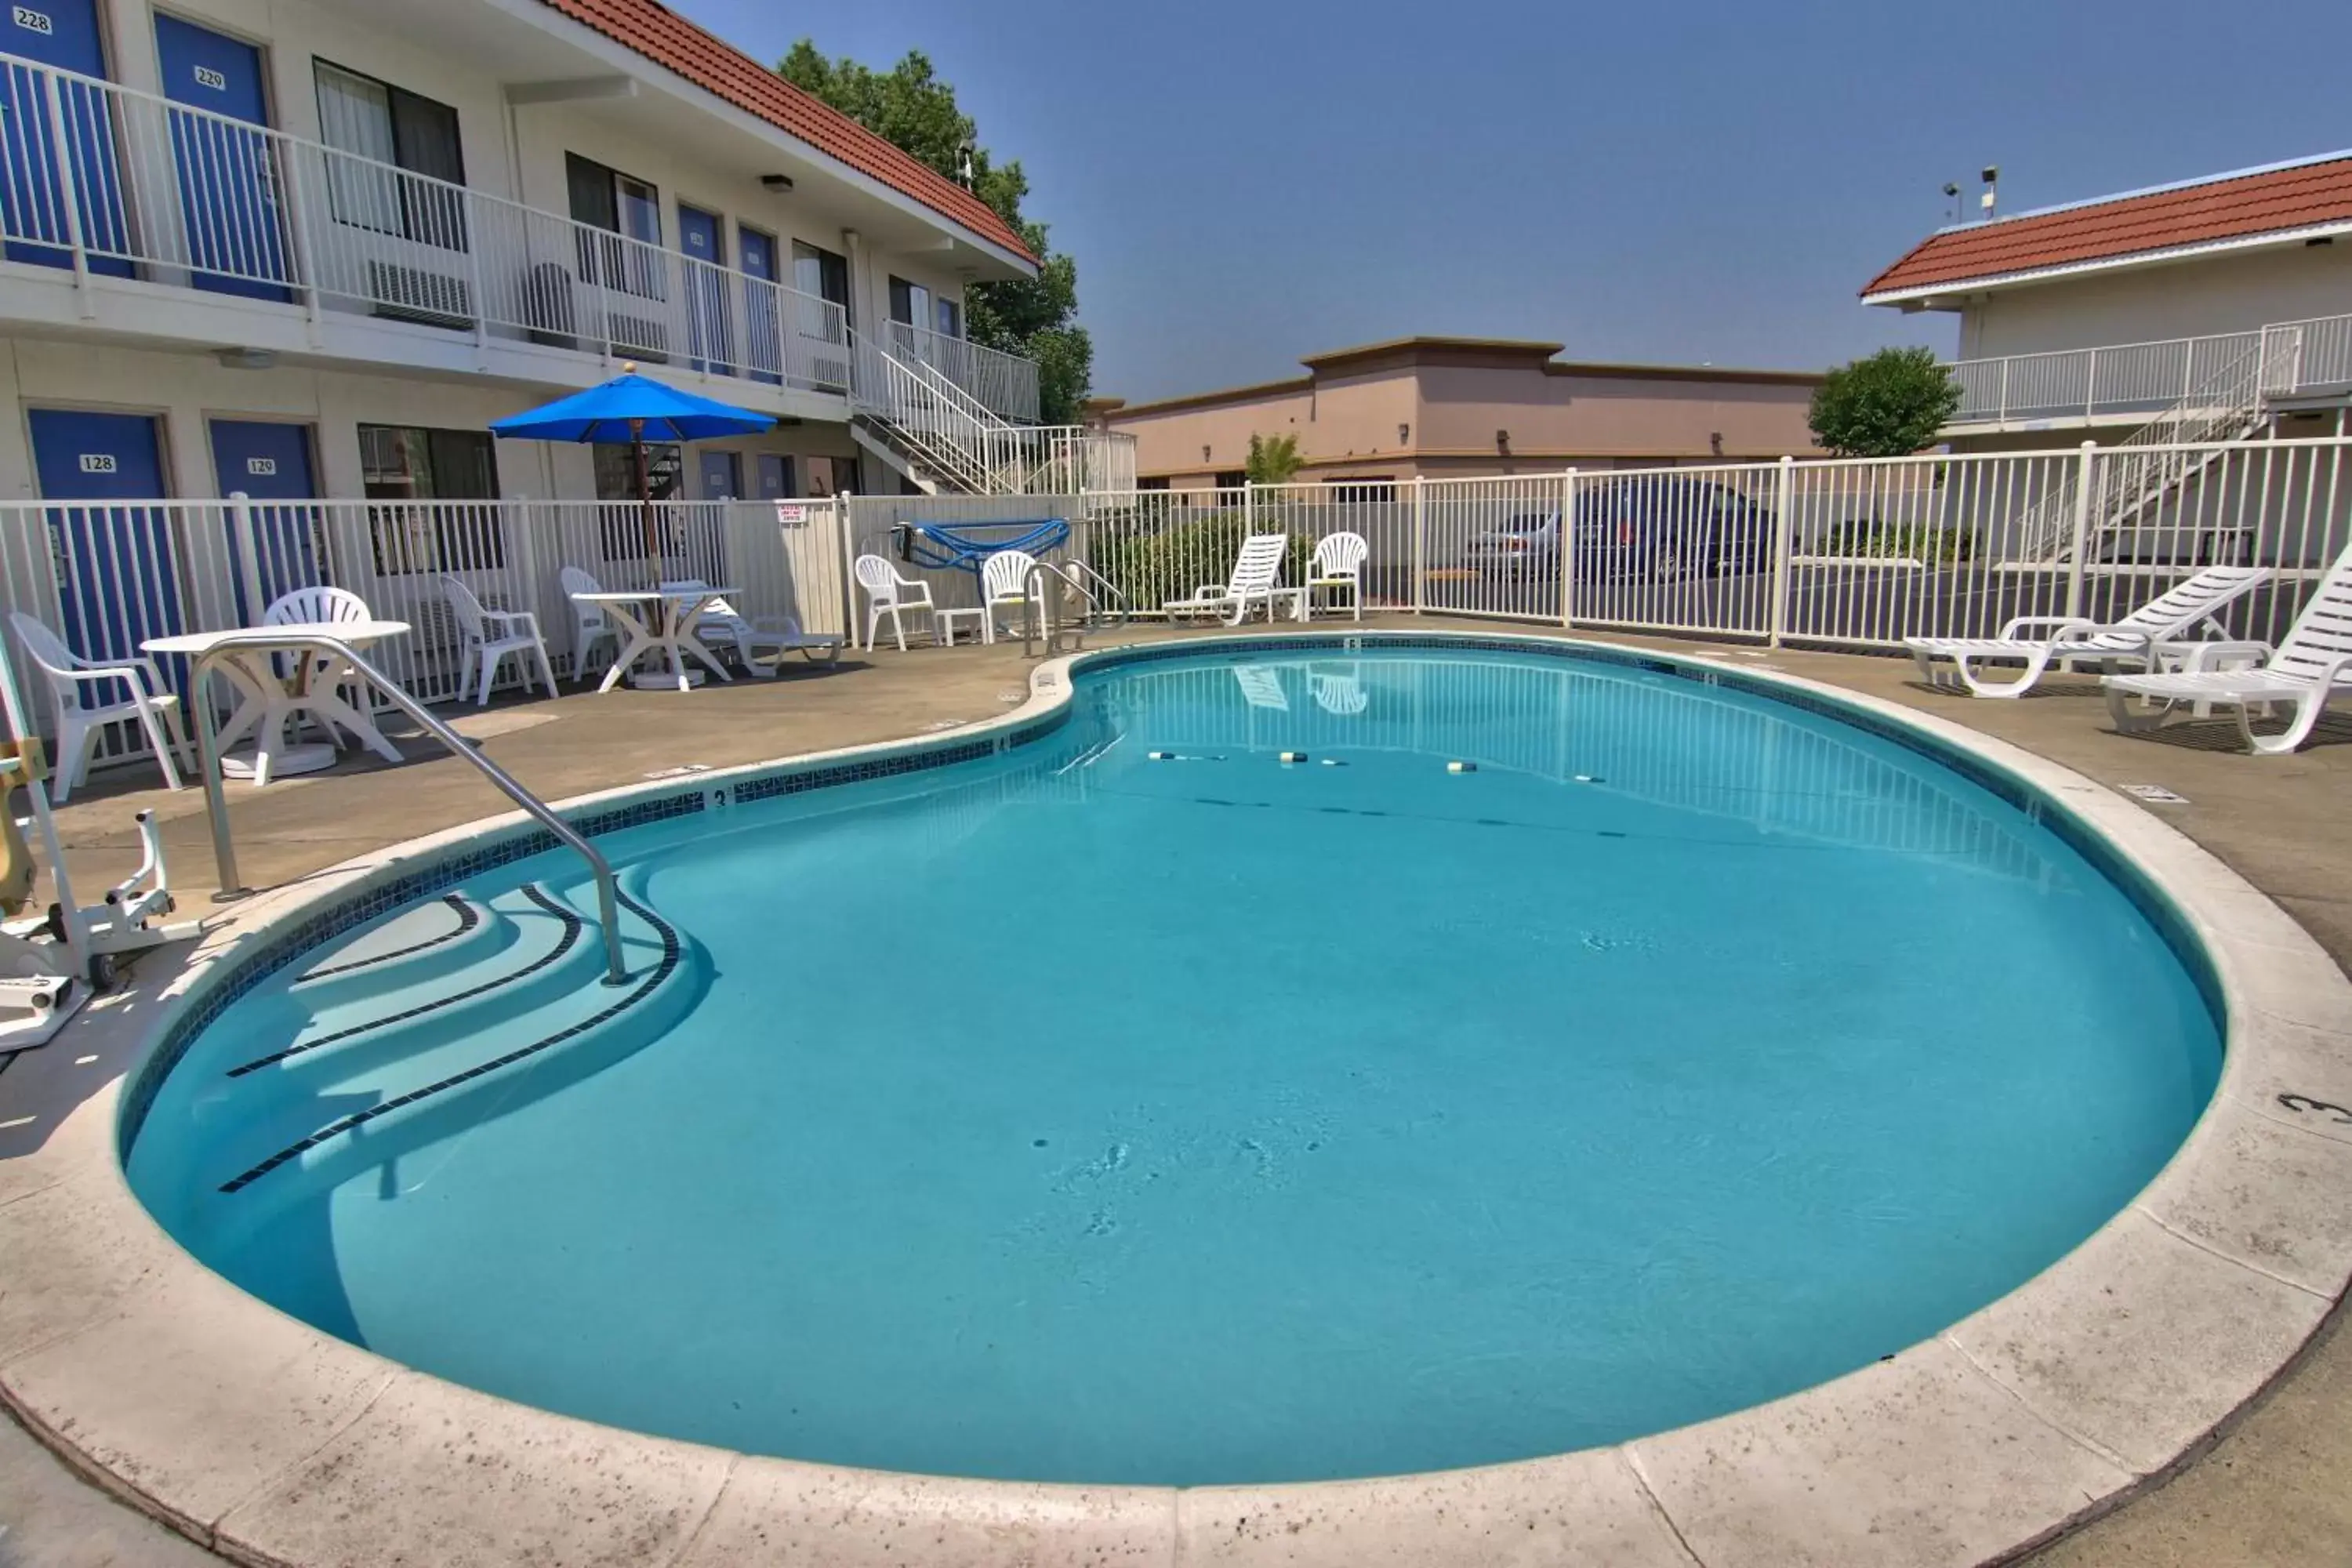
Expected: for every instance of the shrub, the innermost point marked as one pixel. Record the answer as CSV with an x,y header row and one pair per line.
x,y
1888,405
1911,540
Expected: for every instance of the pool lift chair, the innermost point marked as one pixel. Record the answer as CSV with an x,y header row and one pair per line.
x,y
53,960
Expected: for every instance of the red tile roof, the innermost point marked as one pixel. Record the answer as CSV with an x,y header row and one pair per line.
x,y
2229,206
718,67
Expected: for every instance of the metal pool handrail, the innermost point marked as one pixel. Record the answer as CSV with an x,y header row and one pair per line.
x,y
1042,624
216,802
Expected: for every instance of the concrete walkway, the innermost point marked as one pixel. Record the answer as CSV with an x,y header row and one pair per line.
x,y
2275,1490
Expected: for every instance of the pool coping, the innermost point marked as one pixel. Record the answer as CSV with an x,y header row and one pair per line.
x,y
274,1443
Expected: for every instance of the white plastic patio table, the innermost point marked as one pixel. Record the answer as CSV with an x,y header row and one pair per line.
x,y
672,613
266,703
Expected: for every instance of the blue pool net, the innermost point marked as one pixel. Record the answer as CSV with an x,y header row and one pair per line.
x,y
963,546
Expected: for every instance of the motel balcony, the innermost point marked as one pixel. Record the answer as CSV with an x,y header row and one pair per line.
x,y
2286,365
137,219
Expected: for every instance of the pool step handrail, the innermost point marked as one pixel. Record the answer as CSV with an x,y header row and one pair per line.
x,y
1037,621
616,973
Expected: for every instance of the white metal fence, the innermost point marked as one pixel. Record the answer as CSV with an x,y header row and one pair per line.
x,y
1841,553
1834,553
109,577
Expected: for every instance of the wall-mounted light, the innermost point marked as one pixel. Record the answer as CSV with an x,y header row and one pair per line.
x,y
1404,433
1205,451
779,183
1715,442
1503,442
246,358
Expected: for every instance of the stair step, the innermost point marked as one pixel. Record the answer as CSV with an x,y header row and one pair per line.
x,y
433,1075
414,947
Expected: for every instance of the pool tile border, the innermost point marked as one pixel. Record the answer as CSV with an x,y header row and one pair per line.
x,y
1995,1434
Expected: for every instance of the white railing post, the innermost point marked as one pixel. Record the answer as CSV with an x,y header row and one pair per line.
x,y
2091,384
1420,542
68,190
1783,525
283,173
2082,527
1249,508
2004,391
1568,550
471,207
248,551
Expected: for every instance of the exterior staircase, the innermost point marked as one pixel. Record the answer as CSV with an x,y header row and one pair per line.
x,y
916,419
2139,475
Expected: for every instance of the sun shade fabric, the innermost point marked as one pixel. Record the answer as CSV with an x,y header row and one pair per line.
x,y
606,413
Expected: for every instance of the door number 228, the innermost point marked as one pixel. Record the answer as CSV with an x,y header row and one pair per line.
x,y
31,21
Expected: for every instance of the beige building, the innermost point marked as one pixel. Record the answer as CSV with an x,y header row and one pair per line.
x,y
1440,407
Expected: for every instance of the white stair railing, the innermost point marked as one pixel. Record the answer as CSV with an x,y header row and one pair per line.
x,y
2154,461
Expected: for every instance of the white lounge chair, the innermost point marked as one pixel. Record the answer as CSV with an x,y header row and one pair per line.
x,y
1338,564
1261,687
490,639
2158,630
1004,584
591,628
2313,664
774,634
888,593
1338,689
86,694
1251,582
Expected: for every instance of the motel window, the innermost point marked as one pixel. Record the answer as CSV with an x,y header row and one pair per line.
x,y
951,318
1156,482
625,206
407,463
383,128
1232,478
822,273
1359,489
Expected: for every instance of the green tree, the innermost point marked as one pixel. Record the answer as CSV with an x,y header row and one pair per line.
x,y
1272,459
909,107
1886,406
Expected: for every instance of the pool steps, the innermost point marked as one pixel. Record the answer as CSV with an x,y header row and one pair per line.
x,y
377,1075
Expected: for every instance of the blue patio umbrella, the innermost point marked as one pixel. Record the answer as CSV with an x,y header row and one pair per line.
x,y
635,409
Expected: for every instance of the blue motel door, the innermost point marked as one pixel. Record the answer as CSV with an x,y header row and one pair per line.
x,y
63,34
117,581
228,172
704,237
270,464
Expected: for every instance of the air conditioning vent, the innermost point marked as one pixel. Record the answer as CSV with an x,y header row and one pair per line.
x,y
417,294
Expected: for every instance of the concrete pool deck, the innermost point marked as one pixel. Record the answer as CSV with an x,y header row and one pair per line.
x,y
2272,1490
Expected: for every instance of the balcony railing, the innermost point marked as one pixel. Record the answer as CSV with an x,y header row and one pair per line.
x,y
2148,378
1005,384
105,180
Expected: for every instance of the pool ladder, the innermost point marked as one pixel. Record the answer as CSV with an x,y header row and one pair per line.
x,y
616,973
1106,607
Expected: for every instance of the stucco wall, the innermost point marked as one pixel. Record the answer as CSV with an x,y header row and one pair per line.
x,y
2229,293
187,390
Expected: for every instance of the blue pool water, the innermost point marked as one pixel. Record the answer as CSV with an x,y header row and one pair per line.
x,y
1077,1116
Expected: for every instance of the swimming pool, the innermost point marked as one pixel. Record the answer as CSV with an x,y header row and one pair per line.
x,y
1066,1113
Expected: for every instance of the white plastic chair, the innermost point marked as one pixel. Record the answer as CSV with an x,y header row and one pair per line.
x,y
491,637
2312,666
887,590
1338,689
1004,581
777,635
1253,581
319,606
78,692
591,627
1338,563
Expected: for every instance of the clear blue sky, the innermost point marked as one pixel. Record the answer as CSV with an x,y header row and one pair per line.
x,y
1694,180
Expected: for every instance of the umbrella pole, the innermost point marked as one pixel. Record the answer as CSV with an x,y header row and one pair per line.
x,y
646,501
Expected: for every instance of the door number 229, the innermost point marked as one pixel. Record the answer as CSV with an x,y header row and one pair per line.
x,y
209,77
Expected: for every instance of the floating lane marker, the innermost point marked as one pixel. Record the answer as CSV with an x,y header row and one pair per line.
x,y
1587,778
1295,757
1461,767
1333,763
